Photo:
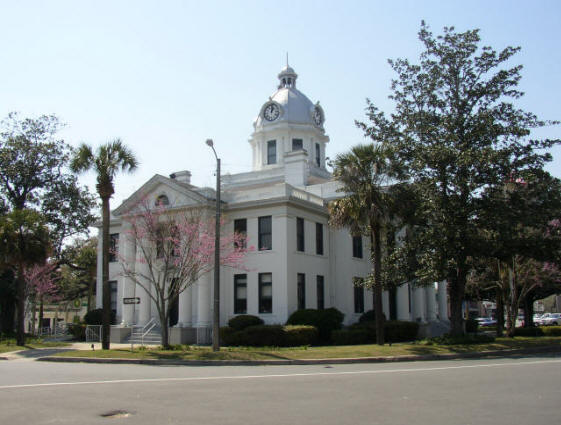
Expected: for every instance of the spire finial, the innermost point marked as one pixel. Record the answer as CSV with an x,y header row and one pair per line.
x,y
287,59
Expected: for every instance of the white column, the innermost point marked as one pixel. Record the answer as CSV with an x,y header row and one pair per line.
x,y
403,302
430,296
203,301
185,310
386,304
144,307
419,304
129,256
443,300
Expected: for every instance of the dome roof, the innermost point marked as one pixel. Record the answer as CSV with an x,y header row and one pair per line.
x,y
288,104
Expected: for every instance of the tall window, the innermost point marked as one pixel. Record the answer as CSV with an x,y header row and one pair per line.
x,y
240,294
240,227
357,246
320,292
301,290
113,247
265,233
358,295
319,239
113,290
300,234
265,293
318,158
297,144
272,152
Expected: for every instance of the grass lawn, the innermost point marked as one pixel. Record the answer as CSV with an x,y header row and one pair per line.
x,y
186,352
9,344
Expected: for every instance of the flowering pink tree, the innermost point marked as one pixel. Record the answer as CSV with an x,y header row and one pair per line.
x,y
40,287
174,249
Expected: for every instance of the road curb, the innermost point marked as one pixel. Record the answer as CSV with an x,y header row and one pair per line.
x,y
409,358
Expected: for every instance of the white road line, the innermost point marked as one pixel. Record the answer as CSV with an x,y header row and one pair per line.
x,y
288,375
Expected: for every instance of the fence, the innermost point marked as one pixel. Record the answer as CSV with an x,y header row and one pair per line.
x,y
93,333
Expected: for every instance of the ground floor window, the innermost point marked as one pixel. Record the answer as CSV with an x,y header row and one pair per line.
x,y
301,291
240,294
358,295
320,292
265,293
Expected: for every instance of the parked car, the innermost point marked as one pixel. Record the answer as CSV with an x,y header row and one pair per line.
x,y
485,322
540,320
552,319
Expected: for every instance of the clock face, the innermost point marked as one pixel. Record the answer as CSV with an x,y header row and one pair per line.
x,y
271,112
317,116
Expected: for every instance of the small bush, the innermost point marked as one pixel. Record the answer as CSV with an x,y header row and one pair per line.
x,y
471,325
399,331
95,317
326,321
533,331
369,316
243,321
459,340
351,336
551,330
297,335
264,336
78,331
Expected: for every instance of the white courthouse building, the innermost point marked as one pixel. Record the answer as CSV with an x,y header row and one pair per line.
x,y
299,260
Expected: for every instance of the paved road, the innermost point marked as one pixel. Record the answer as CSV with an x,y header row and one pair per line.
x,y
492,391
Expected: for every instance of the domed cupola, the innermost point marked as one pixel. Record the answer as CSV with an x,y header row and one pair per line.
x,y
288,125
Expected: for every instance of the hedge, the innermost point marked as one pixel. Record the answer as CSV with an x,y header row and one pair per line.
x,y
269,336
365,333
369,316
538,331
326,321
472,325
95,317
78,331
243,321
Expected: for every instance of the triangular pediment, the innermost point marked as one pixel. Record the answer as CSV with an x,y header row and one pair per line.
x,y
180,195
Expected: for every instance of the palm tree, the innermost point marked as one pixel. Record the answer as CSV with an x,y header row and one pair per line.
x,y
365,175
107,161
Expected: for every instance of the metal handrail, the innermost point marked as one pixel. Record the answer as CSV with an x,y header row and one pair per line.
x,y
152,324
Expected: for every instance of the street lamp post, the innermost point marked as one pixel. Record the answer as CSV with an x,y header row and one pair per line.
x,y
216,303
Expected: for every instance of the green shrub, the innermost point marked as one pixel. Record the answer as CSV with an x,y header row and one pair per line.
x,y
551,330
459,340
78,331
94,317
264,336
531,331
243,321
326,321
351,336
400,330
369,316
269,336
298,335
471,325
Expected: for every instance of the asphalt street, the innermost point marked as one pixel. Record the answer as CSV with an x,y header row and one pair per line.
x,y
511,391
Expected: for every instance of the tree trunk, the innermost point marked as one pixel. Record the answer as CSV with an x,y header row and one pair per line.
x,y
456,289
378,284
20,334
500,314
528,312
41,311
106,290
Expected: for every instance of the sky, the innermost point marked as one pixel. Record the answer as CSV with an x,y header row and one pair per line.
x,y
166,75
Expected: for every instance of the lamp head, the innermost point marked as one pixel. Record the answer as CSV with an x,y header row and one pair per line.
x,y
209,142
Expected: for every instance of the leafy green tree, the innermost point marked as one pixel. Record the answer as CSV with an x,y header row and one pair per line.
x,y
365,174
108,159
24,240
456,131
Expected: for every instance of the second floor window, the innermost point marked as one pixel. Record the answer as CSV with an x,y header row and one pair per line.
x,y
272,152
113,247
265,230
318,156
300,234
319,239
357,246
240,227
